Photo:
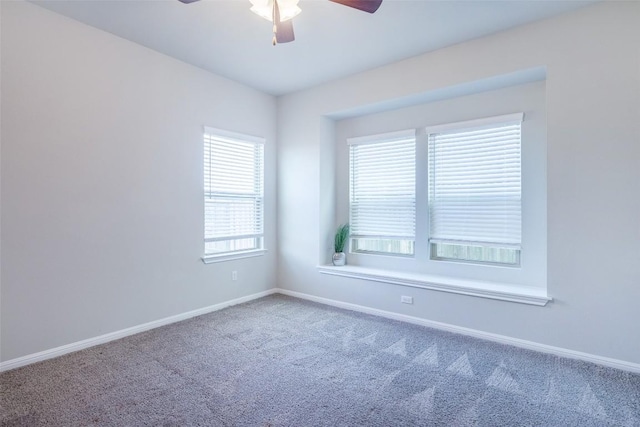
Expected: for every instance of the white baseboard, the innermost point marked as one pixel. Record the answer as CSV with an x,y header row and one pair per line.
x,y
529,345
80,345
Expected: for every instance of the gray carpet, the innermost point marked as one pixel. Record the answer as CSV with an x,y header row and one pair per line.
x,y
280,361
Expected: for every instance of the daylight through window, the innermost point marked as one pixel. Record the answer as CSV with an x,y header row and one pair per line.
x,y
382,193
233,192
475,190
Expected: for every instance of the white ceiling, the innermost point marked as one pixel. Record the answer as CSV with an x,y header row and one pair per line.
x,y
332,40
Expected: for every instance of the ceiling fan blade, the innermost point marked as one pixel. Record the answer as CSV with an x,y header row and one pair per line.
x,y
364,5
187,1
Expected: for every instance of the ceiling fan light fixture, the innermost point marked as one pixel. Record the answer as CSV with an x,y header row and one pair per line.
x,y
264,8
280,13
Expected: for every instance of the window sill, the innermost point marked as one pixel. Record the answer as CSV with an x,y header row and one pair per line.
x,y
210,259
513,293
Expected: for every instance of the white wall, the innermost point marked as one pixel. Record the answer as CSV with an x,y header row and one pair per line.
x,y
101,185
592,61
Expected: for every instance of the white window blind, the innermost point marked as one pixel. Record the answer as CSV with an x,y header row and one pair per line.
x,y
233,192
475,183
382,193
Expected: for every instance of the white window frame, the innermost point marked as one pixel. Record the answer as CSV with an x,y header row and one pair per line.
x,y
403,237
513,247
257,249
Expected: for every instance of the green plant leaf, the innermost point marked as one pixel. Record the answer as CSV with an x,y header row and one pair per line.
x,y
342,235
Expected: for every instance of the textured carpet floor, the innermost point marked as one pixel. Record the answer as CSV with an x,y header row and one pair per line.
x,y
280,361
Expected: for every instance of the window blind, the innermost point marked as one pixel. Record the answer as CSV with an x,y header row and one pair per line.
x,y
233,192
382,191
475,183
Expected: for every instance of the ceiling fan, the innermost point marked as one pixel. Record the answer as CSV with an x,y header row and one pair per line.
x,y
281,13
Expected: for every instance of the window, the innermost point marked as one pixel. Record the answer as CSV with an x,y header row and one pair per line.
x,y
480,195
233,193
475,191
382,193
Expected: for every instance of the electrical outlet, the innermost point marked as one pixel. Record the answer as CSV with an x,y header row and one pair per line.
x,y
406,300
234,275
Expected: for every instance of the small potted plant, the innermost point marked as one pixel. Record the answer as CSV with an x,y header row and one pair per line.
x,y
342,235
